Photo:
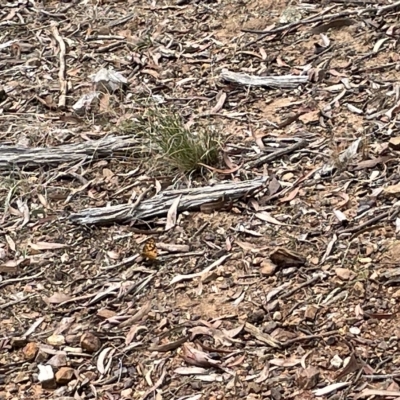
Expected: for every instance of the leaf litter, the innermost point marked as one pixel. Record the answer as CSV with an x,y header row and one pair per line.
x,y
277,273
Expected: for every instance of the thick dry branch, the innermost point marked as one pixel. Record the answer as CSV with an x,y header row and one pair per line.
x,y
377,10
277,154
12,157
159,205
286,81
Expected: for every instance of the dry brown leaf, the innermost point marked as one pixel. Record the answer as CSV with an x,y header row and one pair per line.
x,y
221,97
337,23
140,315
285,258
197,357
261,336
190,371
312,116
229,162
170,346
104,105
393,190
172,214
246,245
273,186
371,163
285,362
105,313
267,217
47,246
238,361
11,266
352,366
222,171
11,243
232,333
132,333
290,196
59,297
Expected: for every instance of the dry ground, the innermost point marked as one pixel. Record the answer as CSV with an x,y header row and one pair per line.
x,y
320,321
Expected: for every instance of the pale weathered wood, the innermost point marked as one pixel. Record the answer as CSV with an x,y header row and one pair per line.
x,y
159,205
284,82
12,157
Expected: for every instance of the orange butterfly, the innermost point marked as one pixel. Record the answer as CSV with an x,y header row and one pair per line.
x,y
150,249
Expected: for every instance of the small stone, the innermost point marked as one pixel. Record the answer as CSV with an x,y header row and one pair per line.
x,y
90,342
30,351
12,388
314,260
355,330
273,306
267,268
343,273
126,393
308,378
288,271
18,342
254,388
46,376
383,345
90,375
257,316
311,312
277,316
196,385
59,360
3,94
336,361
359,288
269,326
56,340
41,356
257,260
129,382
288,176
72,339
64,375
276,393
394,143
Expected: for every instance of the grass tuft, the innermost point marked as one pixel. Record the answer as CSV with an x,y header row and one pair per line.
x,y
185,148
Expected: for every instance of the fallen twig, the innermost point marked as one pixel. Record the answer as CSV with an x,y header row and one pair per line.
x,y
277,154
286,81
289,342
384,377
367,223
11,303
62,71
303,285
215,264
321,18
